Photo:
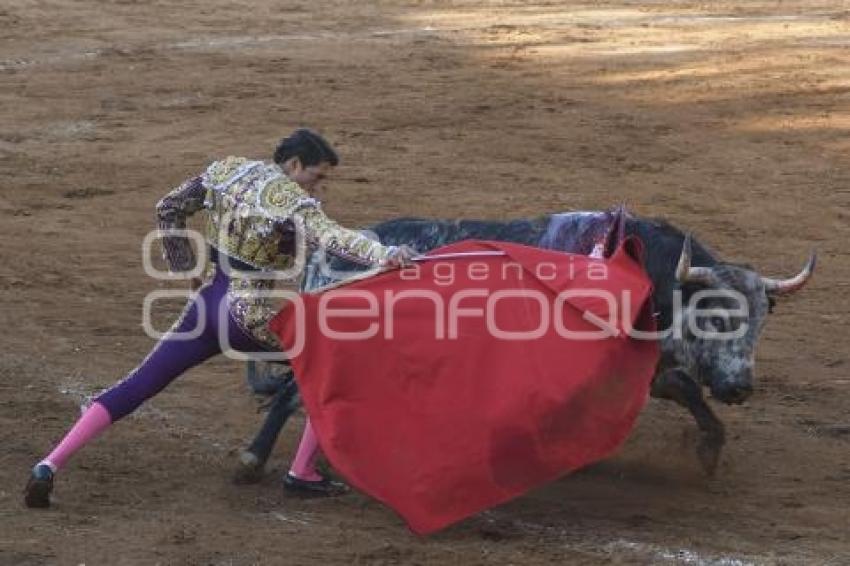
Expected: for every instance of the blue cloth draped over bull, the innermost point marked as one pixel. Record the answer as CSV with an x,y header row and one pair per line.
x,y
443,419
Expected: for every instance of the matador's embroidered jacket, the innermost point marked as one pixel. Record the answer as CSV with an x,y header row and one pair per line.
x,y
257,217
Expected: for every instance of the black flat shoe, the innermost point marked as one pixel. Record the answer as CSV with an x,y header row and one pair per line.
x,y
39,487
324,487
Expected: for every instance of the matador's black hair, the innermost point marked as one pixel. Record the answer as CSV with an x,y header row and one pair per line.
x,y
307,146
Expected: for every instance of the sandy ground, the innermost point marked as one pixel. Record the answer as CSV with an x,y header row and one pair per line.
x,y
730,118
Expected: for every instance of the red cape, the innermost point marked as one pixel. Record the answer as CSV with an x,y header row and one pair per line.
x,y
442,428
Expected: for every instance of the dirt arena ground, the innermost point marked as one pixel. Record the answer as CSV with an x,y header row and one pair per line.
x,y
730,118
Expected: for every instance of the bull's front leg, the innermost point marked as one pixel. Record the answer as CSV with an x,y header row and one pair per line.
x,y
252,461
678,386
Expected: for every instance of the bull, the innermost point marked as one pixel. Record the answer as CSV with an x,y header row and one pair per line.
x,y
692,359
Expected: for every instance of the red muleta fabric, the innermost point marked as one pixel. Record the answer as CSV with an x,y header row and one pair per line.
x,y
439,427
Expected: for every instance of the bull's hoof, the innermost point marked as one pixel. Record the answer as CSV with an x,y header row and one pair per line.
x,y
708,452
249,470
39,487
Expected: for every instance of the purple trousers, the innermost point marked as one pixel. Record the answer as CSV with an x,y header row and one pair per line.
x,y
172,357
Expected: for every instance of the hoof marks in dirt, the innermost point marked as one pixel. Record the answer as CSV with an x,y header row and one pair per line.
x,y
86,193
828,430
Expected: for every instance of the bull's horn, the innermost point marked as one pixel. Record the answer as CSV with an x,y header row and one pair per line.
x,y
684,272
787,286
684,261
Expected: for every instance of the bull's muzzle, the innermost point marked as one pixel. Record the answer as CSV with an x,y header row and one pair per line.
x,y
731,393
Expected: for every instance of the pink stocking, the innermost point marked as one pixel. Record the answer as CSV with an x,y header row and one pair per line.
x,y
93,421
304,465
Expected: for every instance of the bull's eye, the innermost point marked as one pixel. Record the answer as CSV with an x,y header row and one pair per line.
x,y
718,323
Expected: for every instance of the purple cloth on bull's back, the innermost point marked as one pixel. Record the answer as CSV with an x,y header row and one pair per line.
x,y
582,232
